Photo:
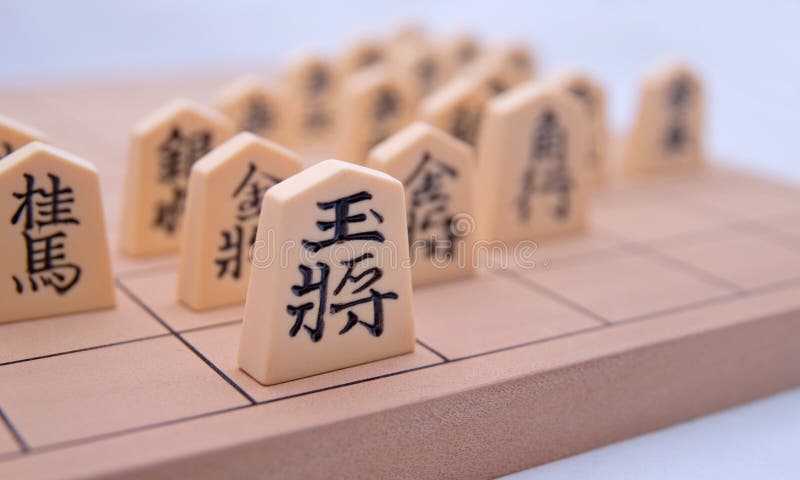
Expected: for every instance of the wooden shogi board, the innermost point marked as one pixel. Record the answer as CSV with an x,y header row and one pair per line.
x,y
682,300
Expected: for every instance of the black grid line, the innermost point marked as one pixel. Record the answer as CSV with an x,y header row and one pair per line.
x,y
93,438
21,443
188,345
572,305
433,350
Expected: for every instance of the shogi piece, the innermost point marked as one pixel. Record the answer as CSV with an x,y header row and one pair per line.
x,y
255,106
164,146
14,135
591,97
54,258
376,106
668,131
332,288
516,62
222,207
361,54
312,87
419,66
530,154
460,51
458,106
437,172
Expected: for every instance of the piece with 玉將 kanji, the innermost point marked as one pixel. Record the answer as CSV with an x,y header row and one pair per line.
x,y
330,285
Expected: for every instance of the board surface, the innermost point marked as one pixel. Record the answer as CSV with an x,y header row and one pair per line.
x,y
683,299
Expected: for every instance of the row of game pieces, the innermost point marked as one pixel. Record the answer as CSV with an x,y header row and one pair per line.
x,y
510,160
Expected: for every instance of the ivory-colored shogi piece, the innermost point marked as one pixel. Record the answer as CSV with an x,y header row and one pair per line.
x,y
14,135
419,66
164,146
530,163
589,93
460,51
223,202
335,291
255,106
359,55
667,135
55,257
375,106
312,86
437,171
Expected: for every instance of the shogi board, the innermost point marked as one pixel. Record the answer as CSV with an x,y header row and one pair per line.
x,y
683,299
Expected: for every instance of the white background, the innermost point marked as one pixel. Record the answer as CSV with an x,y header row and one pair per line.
x,y
746,51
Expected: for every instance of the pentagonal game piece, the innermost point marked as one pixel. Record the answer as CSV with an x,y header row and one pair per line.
x,y
516,61
164,146
331,287
255,106
668,131
359,55
222,206
458,106
437,173
375,106
312,88
14,135
592,99
459,51
530,157
419,67
54,258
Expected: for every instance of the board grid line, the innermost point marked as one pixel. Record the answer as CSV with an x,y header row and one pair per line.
x,y
98,437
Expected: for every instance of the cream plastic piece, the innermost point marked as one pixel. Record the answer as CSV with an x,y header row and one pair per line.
x,y
516,62
255,106
55,257
530,156
359,55
14,135
375,106
419,66
668,131
284,335
222,207
592,100
437,173
460,51
164,146
312,86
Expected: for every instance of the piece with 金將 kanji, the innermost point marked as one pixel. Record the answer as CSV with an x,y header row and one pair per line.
x,y
255,106
55,257
437,173
530,154
331,287
377,106
590,95
164,147
667,135
222,207
14,135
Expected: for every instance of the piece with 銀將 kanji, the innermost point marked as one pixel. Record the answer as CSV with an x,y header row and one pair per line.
x,y
667,134
311,85
530,154
377,106
55,257
255,106
164,146
437,173
331,287
14,135
222,207
592,99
